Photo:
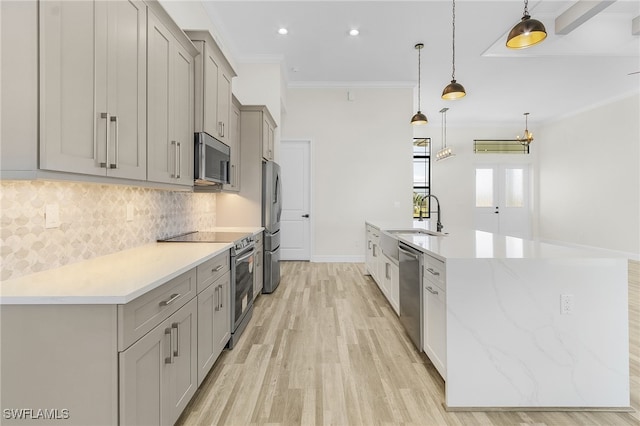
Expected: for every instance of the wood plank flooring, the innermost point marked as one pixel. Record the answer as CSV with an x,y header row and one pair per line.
x,y
327,349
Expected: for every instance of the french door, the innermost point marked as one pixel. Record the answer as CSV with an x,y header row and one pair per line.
x,y
502,199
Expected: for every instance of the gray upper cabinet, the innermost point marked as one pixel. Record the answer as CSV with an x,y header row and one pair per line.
x,y
93,87
170,112
213,74
234,145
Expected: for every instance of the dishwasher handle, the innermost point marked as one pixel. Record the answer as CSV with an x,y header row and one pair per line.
x,y
408,253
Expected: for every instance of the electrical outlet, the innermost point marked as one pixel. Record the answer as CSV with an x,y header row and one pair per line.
x,y
566,304
129,212
51,216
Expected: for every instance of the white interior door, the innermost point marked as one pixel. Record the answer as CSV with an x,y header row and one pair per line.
x,y
295,223
502,203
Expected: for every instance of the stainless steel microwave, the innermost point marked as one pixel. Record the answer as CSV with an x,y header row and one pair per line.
x,y
211,160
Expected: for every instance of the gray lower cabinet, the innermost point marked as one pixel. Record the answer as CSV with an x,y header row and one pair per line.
x,y
258,276
214,323
130,364
158,373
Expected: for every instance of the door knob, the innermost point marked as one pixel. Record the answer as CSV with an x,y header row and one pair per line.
x,y
305,215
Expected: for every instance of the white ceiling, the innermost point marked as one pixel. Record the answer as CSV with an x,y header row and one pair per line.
x,y
562,75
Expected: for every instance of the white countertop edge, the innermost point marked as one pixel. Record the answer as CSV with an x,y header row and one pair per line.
x,y
99,295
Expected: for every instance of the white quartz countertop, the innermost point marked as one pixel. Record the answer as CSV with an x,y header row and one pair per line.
x,y
474,244
116,278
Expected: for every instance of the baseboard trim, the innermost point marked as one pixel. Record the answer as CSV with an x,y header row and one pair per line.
x,y
338,259
543,409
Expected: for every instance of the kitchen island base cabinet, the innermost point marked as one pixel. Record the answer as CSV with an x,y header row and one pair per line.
x,y
435,313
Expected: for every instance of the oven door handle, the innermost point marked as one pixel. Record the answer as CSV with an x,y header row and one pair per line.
x,y
246,256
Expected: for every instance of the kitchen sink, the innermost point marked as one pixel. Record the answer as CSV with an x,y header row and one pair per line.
x,y
389,239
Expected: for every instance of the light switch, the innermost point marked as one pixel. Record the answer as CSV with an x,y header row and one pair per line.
x,y
51,216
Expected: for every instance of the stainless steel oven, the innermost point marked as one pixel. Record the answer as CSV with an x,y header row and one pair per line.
x,y
243,262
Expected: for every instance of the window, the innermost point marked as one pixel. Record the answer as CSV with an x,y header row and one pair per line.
x,y
421,176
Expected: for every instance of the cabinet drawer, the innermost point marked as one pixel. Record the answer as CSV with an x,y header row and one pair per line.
x,y
434,271
141,315
212,269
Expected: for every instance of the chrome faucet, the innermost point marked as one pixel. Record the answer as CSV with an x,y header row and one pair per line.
x,y
438,223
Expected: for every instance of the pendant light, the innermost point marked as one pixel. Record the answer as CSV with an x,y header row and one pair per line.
x,y
453,90
527,32
444,152
419,118
527,138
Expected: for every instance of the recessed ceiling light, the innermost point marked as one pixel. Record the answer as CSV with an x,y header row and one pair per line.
x,y
283,31
354,32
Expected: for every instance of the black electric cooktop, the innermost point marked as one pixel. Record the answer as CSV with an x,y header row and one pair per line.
x,y
207,237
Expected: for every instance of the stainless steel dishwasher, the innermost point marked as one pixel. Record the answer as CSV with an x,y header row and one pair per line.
x,y
411,292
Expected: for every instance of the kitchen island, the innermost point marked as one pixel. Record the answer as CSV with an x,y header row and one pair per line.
x,y
528,324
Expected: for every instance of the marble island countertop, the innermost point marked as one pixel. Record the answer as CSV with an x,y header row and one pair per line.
x,y
460,243
117,278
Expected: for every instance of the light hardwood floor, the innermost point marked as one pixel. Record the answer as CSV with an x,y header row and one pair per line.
x,y
327,348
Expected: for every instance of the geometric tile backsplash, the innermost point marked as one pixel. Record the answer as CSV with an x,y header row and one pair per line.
x,y
92,221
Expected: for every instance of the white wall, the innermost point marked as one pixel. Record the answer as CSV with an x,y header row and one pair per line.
x,y
590,177
453,179
361,162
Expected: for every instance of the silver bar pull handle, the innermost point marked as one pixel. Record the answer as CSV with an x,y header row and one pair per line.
x,y
433,272
432,291
117,143
216,293
217,268
106,116
175,160
172,299
369,243
169,359
174,326
220,296
179,162
386,271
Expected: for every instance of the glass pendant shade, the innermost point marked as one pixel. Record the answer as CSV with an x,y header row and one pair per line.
x,y
419,118
453,91
526,33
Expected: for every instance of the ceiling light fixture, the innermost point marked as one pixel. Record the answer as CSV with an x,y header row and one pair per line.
x,y
453,90
528,136
283,31
419,118
445,152
527,32
354,32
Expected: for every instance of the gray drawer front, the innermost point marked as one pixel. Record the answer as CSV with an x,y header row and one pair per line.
x,y
213,269
141,315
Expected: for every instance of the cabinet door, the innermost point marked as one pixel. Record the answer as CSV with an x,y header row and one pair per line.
x,y
143,375
224,105
266,150
257,276
222,322
183,380
73,86
208,302
170,112
210,107
234,145
435,326
160,152
182,106
127,78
